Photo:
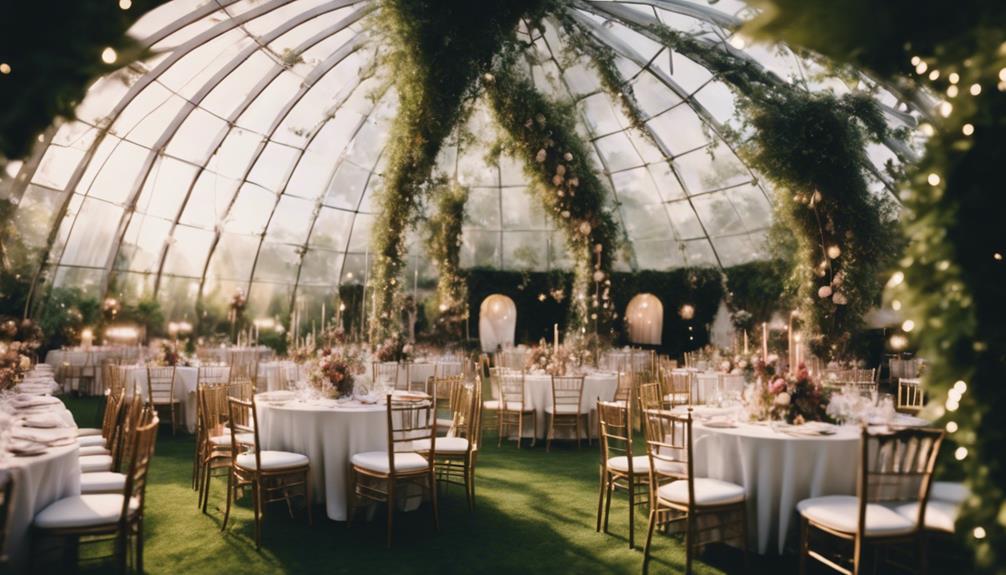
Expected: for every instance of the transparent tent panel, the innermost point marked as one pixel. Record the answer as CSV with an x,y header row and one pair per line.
x,y
249,150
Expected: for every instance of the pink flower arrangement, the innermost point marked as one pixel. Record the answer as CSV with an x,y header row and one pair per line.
x,y
794,398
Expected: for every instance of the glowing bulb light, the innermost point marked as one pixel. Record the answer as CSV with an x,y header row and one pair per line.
x,y
108,55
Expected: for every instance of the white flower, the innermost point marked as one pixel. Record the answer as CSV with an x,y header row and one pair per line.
x,y
560,169
824,291
782,399
839,298
568,157
540,156
565,214
598,276
557,180
585,230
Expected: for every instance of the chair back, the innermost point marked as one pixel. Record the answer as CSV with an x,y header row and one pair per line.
x,y
567,390
650,396
626,381
385,375
131,413
897,466
669,447
213,410
677,387
911,399
614,421
161,385
511,390
110,417
243,417
210,374
448,368
462,417
141,448
410,421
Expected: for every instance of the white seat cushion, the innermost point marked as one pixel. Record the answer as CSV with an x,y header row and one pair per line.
x,y
516,406
490,404
84,511
949,491
89,440
444,445
444,422
563,409
273,460
102,482
94,450
940,515
640,464
92,463
707,492
841,512
378,461
88,431
225,439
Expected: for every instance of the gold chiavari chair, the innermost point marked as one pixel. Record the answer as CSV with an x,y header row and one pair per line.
x,y
911,398
376,475
270,474
161,392
650,397
566,410
449,388
895,476
457,452
625,388
677,388
677,495
512,408
205,375
216,452
103,516
102,444
123,420
244,367
489,378
620,469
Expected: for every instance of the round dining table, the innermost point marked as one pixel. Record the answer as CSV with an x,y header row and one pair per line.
x,y
778,466
328,432
38,480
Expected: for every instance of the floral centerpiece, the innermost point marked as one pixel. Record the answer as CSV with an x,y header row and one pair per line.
x,y
395,348
335,372
795,399
584,349
547,358
13,363
169,355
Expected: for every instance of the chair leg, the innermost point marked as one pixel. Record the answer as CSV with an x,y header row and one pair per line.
x,y
433,499
139,547
609,489
689,542
307,497
351,498
649,539
744,535
257,494
632,512
230,489
548,435
391,509
600,497
804,544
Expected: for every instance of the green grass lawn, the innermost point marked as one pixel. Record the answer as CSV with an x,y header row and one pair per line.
x,y
535,513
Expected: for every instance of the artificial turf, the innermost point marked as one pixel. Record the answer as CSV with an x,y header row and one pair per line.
x,y
535,513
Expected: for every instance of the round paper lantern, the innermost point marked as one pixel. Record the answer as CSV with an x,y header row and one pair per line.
x,y
497,322
645,318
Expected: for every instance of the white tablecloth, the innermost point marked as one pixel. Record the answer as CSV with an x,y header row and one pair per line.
x,y
706,386
186,381
275,375
777,471
38,481
538,396
329,435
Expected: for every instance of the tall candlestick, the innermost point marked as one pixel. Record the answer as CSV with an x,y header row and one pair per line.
x,y
764,342
791,355
555,337
745,343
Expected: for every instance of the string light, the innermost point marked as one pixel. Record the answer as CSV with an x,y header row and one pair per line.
x,y
4,68
997,257
968,129
125,4
961,453
951,427
1002,74
979,532
946,108
108,55
921,68
933,179
916,60
952,91
896,305
954,78
934,74
908,326
975,89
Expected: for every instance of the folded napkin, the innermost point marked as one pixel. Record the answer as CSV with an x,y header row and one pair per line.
x,y
24,401
46,436
45,421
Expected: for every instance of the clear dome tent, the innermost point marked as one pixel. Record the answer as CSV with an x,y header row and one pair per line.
x,y
246,152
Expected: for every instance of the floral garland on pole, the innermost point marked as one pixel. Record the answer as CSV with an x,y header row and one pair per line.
x,y
812,146
438,48
443,242
950,282
543,134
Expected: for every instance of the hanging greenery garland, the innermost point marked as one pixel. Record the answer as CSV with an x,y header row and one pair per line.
x,y
542,133
443,243
438,48
812,146
950,282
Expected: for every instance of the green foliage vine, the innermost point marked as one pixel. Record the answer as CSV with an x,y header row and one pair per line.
x,y
443,243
